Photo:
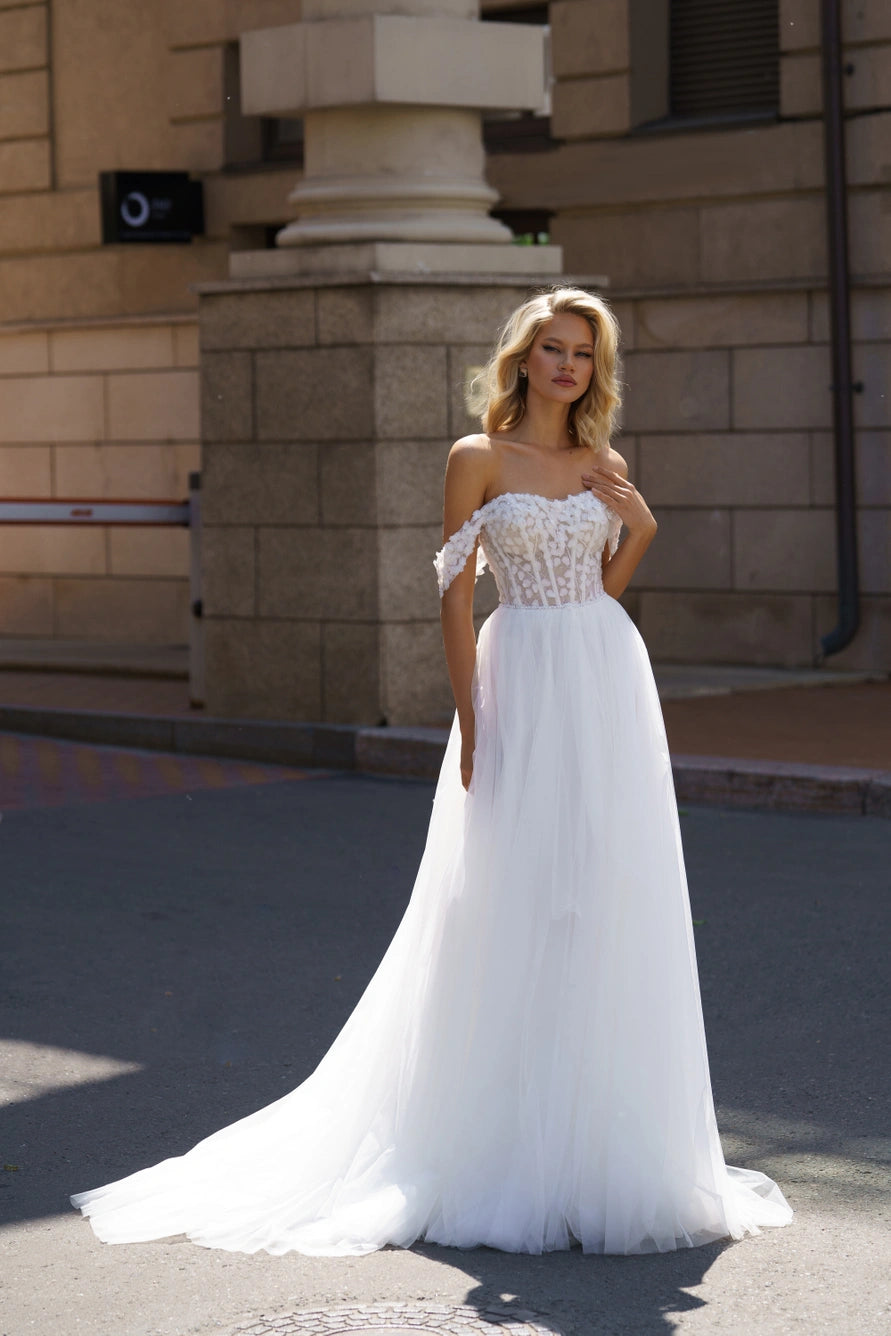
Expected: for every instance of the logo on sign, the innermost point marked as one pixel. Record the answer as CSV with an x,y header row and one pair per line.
x,y
135,209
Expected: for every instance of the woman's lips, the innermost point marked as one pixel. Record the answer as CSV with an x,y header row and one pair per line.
x,y
563,380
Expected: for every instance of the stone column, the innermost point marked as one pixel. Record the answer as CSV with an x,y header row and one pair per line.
x,y
334,366
392,105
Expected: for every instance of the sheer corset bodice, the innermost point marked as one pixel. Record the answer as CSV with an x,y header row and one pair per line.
x,y
544,552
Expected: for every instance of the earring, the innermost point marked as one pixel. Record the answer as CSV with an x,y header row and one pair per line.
x,y
523,372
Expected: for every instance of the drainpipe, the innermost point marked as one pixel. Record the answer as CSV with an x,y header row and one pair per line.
x,y
840,325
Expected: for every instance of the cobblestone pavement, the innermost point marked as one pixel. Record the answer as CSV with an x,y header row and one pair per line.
x,y
45,772
399,1320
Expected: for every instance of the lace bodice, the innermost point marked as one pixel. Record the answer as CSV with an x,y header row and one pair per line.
x,y
543,552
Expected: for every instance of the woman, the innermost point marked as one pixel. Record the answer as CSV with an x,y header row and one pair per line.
x,y
527,1068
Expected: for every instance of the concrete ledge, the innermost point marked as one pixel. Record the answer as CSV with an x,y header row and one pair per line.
x,y
325,745
401,751
371,277
878,796
150,732
417,753
27,655
781,785
331,746
496,261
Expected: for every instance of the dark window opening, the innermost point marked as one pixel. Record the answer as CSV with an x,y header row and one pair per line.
x,y
517,131
282,139
531,13
724,59
531,227
522,132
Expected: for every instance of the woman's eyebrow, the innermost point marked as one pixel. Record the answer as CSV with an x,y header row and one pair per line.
x,y
552,338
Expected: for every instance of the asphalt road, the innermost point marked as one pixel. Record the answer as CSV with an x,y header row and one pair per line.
x,y
170,962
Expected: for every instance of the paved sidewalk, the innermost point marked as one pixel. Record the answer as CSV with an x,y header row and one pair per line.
x,y
797,740
47,772
847,724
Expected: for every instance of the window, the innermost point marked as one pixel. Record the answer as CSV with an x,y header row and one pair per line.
x,y
723,59
531,227
282,139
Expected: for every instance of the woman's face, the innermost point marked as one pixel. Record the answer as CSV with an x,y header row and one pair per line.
x,y
560,363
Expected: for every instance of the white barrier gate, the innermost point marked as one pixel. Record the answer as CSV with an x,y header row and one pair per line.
x,y
56,510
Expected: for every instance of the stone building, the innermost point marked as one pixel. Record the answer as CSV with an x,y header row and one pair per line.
x,y
698,190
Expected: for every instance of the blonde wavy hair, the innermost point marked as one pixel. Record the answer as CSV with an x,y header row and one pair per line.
x,y
498,393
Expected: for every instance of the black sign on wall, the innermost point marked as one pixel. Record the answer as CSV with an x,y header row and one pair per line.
x,y
154,207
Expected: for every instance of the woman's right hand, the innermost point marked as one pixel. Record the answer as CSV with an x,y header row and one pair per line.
x,y
467,746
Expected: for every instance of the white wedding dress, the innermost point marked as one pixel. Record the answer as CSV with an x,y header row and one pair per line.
x,y
527,1068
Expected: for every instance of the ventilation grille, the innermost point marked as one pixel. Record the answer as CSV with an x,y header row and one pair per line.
x,y
724,57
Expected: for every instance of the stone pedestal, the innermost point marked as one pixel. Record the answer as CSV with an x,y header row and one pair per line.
x,y
334,366
329,405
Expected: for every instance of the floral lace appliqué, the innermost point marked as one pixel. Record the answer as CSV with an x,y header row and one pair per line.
x,y
543,551
451,559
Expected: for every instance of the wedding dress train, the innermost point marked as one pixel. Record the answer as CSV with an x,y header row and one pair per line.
x,y
527,1067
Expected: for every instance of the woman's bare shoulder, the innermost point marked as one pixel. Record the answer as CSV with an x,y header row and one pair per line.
x,y
468,474
615,461
477,444
472,457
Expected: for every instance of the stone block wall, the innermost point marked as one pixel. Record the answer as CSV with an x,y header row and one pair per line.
x,y
97,410
715,243
98,344
329,410
104,93
730,442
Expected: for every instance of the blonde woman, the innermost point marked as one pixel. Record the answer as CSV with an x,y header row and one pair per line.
x,y
527,1068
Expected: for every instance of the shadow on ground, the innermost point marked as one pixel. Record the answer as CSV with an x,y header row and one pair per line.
x,y
584,1296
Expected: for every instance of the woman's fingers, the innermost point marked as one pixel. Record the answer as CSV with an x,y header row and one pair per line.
x,y
611,493
607,475
604,474
621,496
611,482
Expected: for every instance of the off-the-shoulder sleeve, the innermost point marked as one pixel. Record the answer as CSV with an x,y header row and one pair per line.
x,y
451,559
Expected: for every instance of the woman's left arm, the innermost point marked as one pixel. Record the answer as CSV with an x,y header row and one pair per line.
x,y
624,498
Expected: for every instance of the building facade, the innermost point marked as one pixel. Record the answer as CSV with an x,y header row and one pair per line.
x,y
693,178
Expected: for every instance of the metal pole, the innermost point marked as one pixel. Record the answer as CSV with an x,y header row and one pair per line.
x,y
196,621
840,322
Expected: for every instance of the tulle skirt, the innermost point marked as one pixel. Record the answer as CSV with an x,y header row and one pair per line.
x,y
527,1067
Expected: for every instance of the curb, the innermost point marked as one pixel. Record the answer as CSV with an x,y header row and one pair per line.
x,y
417,753
782,786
